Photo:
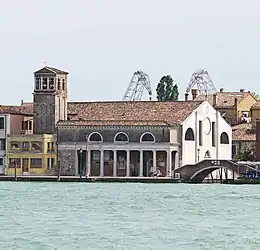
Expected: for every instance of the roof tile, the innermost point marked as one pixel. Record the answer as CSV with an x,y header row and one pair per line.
x,y
243,132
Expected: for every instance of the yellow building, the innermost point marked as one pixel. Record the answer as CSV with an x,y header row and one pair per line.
x,y
235,107
255,112
33,154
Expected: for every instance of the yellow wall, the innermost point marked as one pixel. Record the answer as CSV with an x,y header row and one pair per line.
x,y
21,153
255,114
245,104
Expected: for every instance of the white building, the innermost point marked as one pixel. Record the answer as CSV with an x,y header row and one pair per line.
x,y
138,138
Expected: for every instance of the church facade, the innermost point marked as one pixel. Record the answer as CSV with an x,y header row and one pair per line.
x,y
126,139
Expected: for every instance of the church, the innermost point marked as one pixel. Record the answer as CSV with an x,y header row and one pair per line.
x,y
126,138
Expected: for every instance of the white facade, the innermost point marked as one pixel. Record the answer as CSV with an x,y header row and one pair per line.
x,y
4,131
212,137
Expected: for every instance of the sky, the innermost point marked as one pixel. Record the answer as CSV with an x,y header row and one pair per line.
x,y
101,43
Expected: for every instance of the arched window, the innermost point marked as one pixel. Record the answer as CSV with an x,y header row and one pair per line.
x,y
147,137
224,138
95,137
121,137
58,87
189,135
207,154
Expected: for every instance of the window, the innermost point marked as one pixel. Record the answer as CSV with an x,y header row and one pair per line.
x,y
25,165
26,125
200,133
50,163
14,162
207,154
15,145
213,134
224,138
63,84
234,150
45,83
36,146
121,137
38,83
147,137
58,84
189,135
95,137
30,125
25,146
1,162
36,162
2,144
51,83
2,123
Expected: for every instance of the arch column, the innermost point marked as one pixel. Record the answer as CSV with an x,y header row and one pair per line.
x,y
169,163
128,163
141,170
89,163
114,163
154,160
101,163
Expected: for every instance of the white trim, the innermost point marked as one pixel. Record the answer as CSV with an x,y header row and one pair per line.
x,y
141,137
121,141
95,133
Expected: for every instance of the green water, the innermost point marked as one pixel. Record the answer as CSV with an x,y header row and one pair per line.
x,y
128,216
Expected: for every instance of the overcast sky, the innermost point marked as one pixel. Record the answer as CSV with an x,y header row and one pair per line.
x,y
102,43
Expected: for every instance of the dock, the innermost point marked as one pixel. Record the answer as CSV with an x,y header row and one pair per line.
x,y
90,179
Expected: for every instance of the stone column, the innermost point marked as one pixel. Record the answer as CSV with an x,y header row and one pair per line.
x,y
101,163
154,160
114,164
89,163
141,170
128,163
169,163
177,160
76,162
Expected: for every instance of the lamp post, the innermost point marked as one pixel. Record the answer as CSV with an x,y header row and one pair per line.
x,y
80,162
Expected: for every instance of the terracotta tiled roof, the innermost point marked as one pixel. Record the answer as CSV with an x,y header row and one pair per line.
x,y
243,132
256,105
17,110
51,70
112,123
224,99
168,112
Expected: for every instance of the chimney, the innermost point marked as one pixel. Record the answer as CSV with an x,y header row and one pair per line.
x,y
214,100
242,90
186,97
194,93
21,102
221,90
235,106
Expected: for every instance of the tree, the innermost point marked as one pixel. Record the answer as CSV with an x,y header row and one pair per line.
x,y
166,90
255,95
246,154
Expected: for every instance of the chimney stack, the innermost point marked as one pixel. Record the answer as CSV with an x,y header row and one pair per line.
x,y
242,90
21,102
221,90
194,93
186,97
214,100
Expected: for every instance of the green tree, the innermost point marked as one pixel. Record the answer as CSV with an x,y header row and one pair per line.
x,y
166,89
246,154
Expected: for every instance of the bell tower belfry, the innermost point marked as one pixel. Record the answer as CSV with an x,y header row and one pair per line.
x,y
50,99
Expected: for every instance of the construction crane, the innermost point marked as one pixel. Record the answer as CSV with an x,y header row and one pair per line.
x,y
135,90
201,81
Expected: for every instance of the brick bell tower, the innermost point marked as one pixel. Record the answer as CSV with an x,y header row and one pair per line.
x,y
50,99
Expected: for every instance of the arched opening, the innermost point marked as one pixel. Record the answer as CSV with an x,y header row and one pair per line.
x,y
189,135
95,137
58,87
147,137
121,137
63,84
207,154
224,138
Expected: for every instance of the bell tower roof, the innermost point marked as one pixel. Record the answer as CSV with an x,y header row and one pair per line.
x,y
50,70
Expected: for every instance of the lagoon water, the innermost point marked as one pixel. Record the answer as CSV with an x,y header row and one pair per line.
x,y
90,216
